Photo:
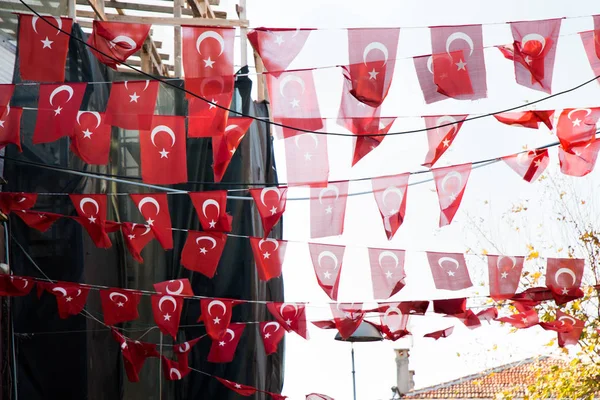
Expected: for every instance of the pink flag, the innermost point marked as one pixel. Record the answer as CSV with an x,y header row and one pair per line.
x,y
390,195
450,184
529,165
293,95
387,272
504,273
306,159
327,209
591,43
327,262
449,271
277,47
440,139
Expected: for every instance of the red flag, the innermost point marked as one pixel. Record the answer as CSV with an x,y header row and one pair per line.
x,y
6,93
91,136
206,119
167,312
440,334
291,316
393,321
317,396
134,354
327,261
211,210
91,209
237,387
387,272
327,209
569,337
528,164
136,237
41,221
216,314
202,252
449,271
488,314
175,370
183,287
58,106
277,47
268,256
522,320
131,104
271,333
504,274
157,216
451,75
223,350
208,51
580,160
533,52
181,351
306,159
116,39
13,201
15,286
563,278
293,95
451,307
356,116
577,127
270,213
347,317
363,144
10,126
372,55
440,139
526,119
43,48
450,184
424,68
70,297
390,195
592,48
119,305
224,147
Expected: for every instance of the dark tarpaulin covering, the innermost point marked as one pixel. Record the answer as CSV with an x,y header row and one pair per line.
x,y
77,358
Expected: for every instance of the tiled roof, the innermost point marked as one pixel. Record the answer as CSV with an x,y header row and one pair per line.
x,y
486,384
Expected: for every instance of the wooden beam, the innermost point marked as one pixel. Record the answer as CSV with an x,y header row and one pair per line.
x,y
138,63
209,11
139,7
177,8
98,8
241,11
170,21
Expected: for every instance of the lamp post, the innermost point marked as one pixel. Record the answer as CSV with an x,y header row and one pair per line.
x,y
365,332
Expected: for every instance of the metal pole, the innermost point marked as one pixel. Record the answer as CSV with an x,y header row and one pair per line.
x,y
10,310
353,371
160,368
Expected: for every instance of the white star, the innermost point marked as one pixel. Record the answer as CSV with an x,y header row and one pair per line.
x,y
446,142
216,320
288,321
528,60
68,299
524,320
450,273
504,275
58,110
328,210
373,74
537,163
267,335
392,211
150,221
388,274
131,237
92,219
295,103
307,156
212,223
47,43
452,196
164,153
576,122
327,275
1,124
461,65
221,344
134,97
208,63
361,104
279,39
120,304
577,153
238,386
211,106
167,317
203,250
87,134
565,290
266,255
273,210
232,151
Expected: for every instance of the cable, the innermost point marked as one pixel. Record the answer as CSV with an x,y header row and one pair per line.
x,y
297,129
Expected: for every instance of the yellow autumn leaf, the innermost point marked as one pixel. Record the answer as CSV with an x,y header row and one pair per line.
x,y
484,252
533,255
536,276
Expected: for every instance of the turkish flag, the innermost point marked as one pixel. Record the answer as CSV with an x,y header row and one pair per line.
x,y
504,275
387,272
440,334
569,337
270,213
390,196
355,115
580,160
223,350
206,119
136,237
450,306
317,396
13,201
202,251
293,95
271,333
522,320
6,93
134,354
182,350
372,55
167,312
528,164
577,127
364,144
175,370
527,119
533,52
393,321
291,316
58,106
10,126
118,40
449,271
488,314
424,69
91,209
211,210
15,286
591,43
43,48
224,147
70,297
41,221
450,184
327,261
183,287
208,51
277,47
216,314
347,317
237,387
155,210
563,278
131,104
451,75
268,256
90,139
327,209
119,305
306,159
440,139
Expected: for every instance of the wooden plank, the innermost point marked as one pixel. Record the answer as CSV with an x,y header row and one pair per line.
x,y
98,9
177,8
209,11
139,7
241,10
138,63
169,21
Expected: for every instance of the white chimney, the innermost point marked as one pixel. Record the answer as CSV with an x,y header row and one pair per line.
x,y
404,377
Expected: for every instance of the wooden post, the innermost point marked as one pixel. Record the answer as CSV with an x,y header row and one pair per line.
x,y
177,7
243,33
71,9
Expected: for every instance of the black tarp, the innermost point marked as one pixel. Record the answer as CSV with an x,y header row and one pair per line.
x,y
77,358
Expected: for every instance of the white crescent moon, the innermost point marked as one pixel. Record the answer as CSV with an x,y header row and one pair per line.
x,y
176,292
212,35
86,200
534,36
388,312
451,260
7,110
268,240
216,303
35,18
332,188
297,138
162,128
22,199
210,239
567,318
289,78
512,259
565,271
175,371
272,323
94,113
375,46
328,254
523,158
146,85
389,254
210,202
430,64
146,226
587,110
60,290
391,189
78,292
124,39
231,332
61,88
459,35
117,294
450,175
150,200
206,81
184,348
446,119
267,190
284,305
169,299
